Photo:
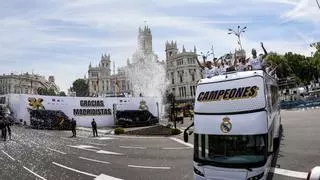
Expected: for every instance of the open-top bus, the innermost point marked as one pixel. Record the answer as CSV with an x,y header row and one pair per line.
x,y
237,126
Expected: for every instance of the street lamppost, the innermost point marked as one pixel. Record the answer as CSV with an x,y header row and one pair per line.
x,y
238,34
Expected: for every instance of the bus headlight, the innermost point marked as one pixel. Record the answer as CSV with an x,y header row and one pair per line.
x,y
198,172
257,177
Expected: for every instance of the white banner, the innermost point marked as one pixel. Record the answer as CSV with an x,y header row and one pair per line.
x,y
231,96
82,109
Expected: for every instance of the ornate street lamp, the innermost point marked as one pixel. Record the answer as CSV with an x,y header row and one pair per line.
x,y
238,34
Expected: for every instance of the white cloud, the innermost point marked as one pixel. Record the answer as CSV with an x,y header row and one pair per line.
x,y
306,10
120,21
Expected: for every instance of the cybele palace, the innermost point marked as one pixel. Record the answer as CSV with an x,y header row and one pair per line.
x,y
103,82
182,70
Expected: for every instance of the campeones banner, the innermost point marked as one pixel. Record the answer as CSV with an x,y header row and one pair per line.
x,y
228,94
92,112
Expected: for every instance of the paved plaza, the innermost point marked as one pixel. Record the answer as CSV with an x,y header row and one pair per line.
x,y
41,154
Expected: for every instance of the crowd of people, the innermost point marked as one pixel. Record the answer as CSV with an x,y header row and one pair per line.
x,y
222,66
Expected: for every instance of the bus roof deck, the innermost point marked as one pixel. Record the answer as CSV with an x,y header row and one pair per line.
x,y
236,75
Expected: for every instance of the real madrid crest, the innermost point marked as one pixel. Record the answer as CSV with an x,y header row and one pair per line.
x,y
226,125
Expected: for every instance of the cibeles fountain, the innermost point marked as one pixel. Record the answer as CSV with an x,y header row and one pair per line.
x,y
147,77
146,74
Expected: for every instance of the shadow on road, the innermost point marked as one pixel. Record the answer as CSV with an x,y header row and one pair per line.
x,y
276,155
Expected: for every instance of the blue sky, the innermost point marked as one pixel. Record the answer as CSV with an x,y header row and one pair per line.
x,y
61,38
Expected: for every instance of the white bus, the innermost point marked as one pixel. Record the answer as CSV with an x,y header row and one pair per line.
x,y
237,126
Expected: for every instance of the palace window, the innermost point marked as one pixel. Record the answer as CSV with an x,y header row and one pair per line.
x,y
181,76
180,62
123,84
190,61
192,90
172,78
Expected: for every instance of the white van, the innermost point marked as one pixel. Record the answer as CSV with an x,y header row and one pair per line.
x,y
236,126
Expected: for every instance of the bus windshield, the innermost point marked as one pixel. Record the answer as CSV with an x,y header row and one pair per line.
x,y
231,150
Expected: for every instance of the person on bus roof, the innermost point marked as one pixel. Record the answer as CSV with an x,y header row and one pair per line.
x,y
208,69
257,62
241,64
222,67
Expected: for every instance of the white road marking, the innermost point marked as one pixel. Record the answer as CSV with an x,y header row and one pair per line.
x,y
285,172
75,170
182,142
98,144
34,143
177,148
106,177
83,147
34,173
94,149
148,167
132,147
94,160
57,151
108,152
8,155
135,137
104,138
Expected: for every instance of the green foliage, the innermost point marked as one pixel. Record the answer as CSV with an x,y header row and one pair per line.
x,y
46,92
304,69
118,131
42,91
62,93
175,131
51,92
81,88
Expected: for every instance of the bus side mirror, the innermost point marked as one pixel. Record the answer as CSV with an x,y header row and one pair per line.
x,y
314,174
185,136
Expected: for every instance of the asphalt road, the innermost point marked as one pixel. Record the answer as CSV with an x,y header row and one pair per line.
x,y
53,155
42,154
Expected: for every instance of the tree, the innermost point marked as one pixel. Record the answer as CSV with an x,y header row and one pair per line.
x,y
46,92
51,92
303,69
42,91
283,69
173,116
62,93
80,87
